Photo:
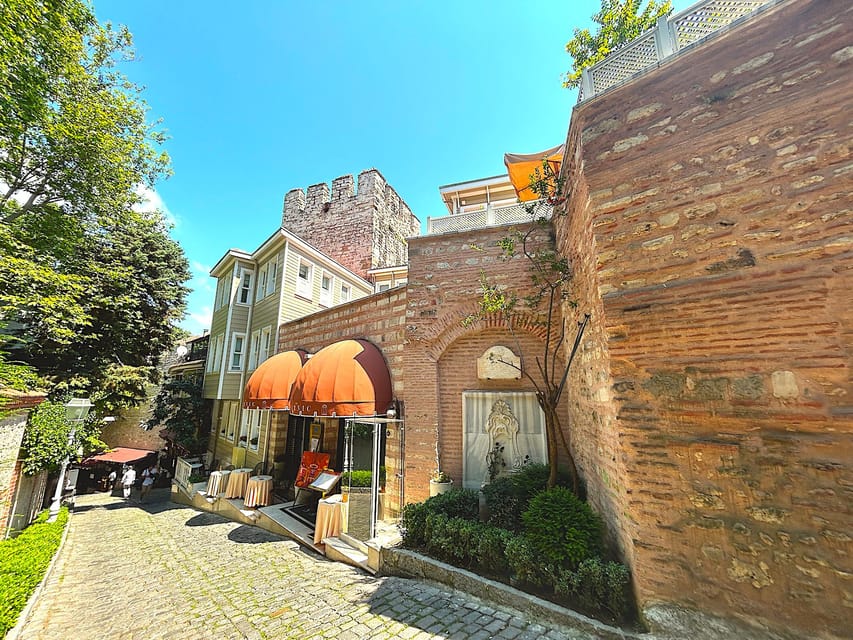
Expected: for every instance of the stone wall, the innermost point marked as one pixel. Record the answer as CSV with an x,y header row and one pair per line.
x,y
11,433
709,224
362,230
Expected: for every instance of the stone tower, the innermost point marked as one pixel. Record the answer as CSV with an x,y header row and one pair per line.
x,y
364,229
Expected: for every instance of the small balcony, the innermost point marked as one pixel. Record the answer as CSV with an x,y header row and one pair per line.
x,y
488,216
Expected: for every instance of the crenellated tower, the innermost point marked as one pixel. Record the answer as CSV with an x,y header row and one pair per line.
x,y
364,228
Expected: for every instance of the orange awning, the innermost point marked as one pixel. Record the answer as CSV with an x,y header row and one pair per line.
x,y
269,386
521,166
347,378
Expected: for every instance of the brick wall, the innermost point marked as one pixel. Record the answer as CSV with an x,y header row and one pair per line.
x,y
11,433
380,319
710,229
361,230
441,353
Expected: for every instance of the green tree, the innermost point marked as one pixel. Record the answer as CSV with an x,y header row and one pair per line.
x,y
90,288
49,438
619,21
539,302
180,407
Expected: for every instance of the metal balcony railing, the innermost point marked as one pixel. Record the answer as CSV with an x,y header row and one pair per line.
x,y
671,34
487,217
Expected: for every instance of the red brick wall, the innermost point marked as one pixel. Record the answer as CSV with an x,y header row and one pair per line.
x,y
441,353
378,318
710,230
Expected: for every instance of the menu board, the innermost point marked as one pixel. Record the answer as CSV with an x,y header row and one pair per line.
x,y
325,481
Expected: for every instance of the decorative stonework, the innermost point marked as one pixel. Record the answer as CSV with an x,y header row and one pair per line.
x,y
499,363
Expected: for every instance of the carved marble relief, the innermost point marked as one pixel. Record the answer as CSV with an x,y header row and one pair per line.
x,y
499,363
512,419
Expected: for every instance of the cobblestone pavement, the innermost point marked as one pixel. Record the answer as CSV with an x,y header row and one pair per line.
x,y
161,570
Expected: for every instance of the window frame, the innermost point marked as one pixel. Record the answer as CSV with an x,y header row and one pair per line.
x,y
246,287
264,348
346,292
305,286
327,296
254,350
233,352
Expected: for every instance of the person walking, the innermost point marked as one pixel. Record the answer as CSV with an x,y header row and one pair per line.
x,y
111,480
148,478
127,480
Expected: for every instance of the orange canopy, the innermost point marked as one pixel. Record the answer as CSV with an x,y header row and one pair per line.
x,y
520,167
269,386
347,378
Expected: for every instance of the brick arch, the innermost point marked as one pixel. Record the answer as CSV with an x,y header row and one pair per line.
x,y
448,327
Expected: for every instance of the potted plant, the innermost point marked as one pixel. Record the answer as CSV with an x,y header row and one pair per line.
x,y
440,481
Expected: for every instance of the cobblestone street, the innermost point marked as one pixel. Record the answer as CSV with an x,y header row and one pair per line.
x,y
161,570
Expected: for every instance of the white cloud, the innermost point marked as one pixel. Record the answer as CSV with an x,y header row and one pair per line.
x,y
151,201
198,320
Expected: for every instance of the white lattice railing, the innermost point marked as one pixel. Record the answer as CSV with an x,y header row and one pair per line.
x,y
184,469
486,217
670,35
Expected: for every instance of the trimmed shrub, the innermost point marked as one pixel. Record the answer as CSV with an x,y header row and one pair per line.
x,y
490,552
597,586
24,560
526,565
507,497
458,503
562,530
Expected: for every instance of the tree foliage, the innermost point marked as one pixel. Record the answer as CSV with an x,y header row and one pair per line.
x,y
619,22
49,438
179,406
90,287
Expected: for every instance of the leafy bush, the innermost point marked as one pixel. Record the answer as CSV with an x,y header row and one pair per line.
x,y
561,529
507,497
356,478
526,565
458,503
597,585
24,560
490,552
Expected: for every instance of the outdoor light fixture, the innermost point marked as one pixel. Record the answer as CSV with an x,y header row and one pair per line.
x,y
76,411
392,412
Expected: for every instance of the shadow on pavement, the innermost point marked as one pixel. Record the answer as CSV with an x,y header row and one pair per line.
x,y
252,535
205,519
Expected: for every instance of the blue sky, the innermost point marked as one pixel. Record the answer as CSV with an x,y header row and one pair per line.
x,y
262,97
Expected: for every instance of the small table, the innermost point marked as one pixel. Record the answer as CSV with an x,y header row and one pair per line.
x,y
216,483
237,483
258,492
329,518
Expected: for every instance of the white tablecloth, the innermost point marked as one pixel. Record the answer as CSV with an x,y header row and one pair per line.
x,y
216,483
329,518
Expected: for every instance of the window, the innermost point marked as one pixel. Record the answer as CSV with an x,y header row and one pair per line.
x,y
214,354
244,428
264,351
257,421
326,281
272,272
384,286
223,292
344,293
304,279
228,419
238,346
266,279
245,295
254,355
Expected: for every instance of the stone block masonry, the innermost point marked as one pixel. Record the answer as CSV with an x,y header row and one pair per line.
x,y
362,230
710,228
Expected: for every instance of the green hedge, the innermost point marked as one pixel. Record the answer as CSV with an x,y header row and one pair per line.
x,y
23,562
556,551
